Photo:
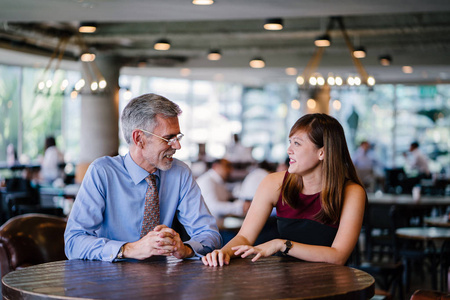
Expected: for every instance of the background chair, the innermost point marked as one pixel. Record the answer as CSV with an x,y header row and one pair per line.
x,y
379,233
19,204
413,253
388,275
31,239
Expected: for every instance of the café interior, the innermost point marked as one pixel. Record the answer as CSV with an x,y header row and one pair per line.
x,y
245,69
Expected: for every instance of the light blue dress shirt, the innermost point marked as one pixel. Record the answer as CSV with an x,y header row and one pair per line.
x,y
109,208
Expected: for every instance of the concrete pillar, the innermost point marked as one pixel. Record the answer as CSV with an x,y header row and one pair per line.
x,y
99,116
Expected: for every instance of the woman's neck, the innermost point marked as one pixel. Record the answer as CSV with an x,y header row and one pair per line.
x,y
312,183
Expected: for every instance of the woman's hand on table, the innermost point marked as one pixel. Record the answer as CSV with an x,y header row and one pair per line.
x,y
263,250
216,258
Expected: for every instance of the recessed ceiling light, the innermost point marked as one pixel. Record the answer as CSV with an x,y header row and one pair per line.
x,y
202,2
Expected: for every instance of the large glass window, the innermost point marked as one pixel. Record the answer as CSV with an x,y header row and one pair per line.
x,y
34,105
389,116
9,109
211,111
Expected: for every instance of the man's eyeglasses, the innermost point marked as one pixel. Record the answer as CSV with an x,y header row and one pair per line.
x,y
171,141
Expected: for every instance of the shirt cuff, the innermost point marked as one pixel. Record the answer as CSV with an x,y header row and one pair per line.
x,y
196,247
111,250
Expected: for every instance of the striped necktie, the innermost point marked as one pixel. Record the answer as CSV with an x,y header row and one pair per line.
x,y
151,212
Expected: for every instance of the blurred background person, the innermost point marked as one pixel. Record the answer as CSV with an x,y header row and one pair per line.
x,y
11,155
238,153
214,189
366,165
417,162
416,168
51,163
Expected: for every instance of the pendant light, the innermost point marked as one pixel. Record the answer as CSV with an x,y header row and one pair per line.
x,y
273,24
214,54
162,45
257,63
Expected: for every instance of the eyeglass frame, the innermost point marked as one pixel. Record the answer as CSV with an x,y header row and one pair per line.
x,y
170,142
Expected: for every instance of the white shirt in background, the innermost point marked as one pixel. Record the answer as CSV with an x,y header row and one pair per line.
x,y
217,196
50,164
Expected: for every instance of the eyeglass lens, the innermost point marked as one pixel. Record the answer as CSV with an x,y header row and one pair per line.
x,y
177,138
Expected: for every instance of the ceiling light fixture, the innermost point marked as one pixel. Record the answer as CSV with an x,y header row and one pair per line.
x,y
291,71
257,63
359,52
273,24
407,69
87,57
87,27
142,63
162,45
308,76
214,55
202,2
323,41
385,60
92,76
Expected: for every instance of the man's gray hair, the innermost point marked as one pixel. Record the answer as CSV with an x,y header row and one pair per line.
x,y
141,113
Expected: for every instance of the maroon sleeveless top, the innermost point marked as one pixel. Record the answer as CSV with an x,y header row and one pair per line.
x,y
299,224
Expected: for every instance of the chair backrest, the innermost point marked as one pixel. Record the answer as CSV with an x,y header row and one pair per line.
x,y
31,239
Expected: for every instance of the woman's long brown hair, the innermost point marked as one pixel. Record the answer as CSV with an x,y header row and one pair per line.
x,y
324,131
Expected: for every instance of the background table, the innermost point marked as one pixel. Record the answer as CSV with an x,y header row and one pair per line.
x,y
268,278
425,200
442,221
429,235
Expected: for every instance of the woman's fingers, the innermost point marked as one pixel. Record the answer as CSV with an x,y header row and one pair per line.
x,y
257,256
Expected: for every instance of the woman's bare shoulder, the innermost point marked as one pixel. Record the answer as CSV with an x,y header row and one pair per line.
x,y
354,189
274,179
269,188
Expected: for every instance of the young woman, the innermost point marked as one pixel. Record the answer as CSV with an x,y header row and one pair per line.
x,y
319,201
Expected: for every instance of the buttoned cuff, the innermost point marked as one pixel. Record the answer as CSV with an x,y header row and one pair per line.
x,y
111,250
196,247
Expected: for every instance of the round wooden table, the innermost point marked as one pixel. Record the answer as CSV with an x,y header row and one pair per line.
x,y
268,278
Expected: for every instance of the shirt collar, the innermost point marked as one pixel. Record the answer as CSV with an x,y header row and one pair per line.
x,y
137,173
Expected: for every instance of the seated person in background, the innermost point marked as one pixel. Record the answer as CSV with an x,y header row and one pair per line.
x,y
238,153
417,161
320,201
50,166
253,179
126,204
215,192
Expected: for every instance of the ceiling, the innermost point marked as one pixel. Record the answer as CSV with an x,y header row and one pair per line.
x,y
413,32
